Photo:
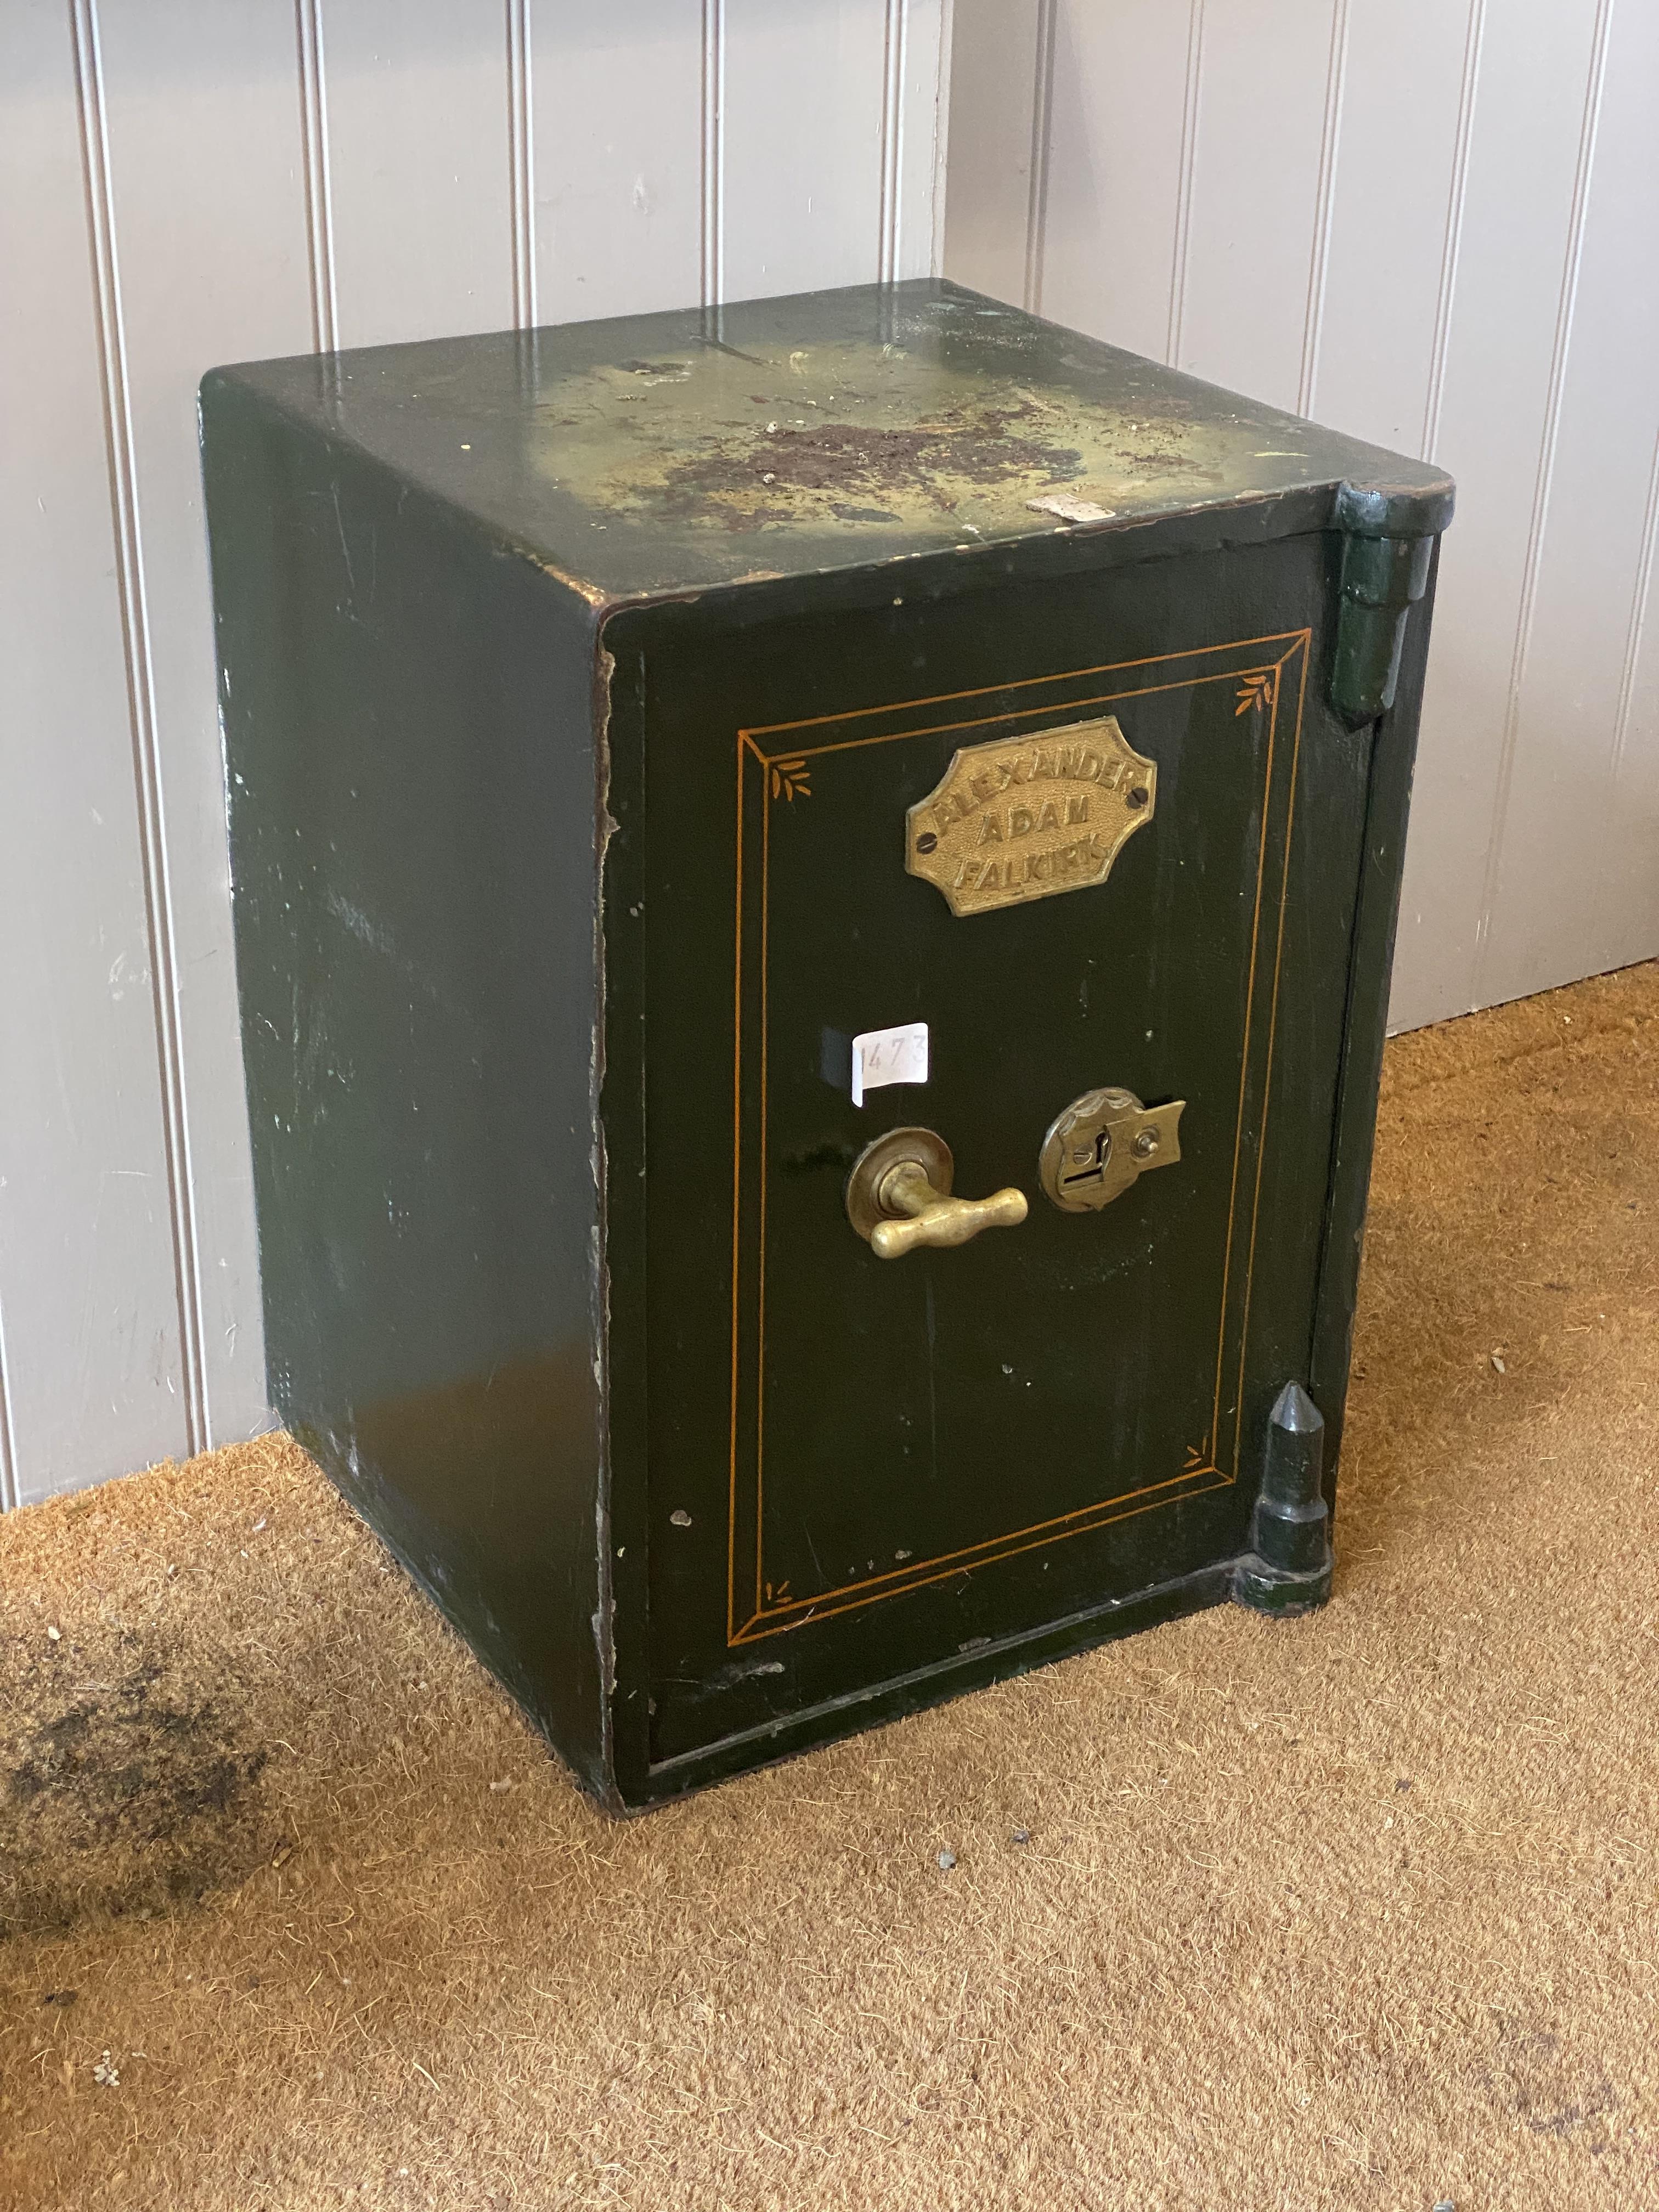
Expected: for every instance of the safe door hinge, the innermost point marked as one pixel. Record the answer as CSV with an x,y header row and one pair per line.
x,y
1381,579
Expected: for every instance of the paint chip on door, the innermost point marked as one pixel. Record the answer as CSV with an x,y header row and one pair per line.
x,y
884,1056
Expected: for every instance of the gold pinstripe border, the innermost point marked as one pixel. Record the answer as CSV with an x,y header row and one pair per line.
x,y
1193,1481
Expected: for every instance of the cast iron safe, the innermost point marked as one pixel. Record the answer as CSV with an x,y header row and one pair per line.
x,y
814,887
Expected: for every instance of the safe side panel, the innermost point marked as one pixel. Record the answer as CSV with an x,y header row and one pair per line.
x,y
1002,989
408,725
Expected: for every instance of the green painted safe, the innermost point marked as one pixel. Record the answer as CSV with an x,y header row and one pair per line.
x,y
814,888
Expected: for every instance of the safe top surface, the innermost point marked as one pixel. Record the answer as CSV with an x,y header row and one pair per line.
x,y
670,453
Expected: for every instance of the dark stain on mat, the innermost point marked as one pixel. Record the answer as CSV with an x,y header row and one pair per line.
x,y
134,1795
1550,2091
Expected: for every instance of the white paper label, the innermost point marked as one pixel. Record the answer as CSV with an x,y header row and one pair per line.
x,y
883,1056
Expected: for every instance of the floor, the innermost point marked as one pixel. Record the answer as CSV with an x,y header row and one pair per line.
x,y
1355,1911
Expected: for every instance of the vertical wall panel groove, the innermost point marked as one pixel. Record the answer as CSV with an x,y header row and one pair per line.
x,y
1454,237
134,615
1640,595
1377,287
421,169
521,143
1625,901
1264,97
892,121
1324,204
1116,168
1192,93
622,118
992,93
1539,522
202,119
931,262
917,66
313,146
87,1274
1042,101
714,152
801,103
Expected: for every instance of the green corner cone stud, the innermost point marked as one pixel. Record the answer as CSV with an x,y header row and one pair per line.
x,y
1290,1569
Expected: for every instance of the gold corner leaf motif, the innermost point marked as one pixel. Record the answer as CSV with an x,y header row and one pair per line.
x,y
1025,817
1255,690
792,779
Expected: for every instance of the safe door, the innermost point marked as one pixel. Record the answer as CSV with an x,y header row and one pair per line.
x,y
971,1257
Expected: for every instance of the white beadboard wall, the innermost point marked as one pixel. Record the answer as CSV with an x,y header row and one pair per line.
x,y
1433,224
182,182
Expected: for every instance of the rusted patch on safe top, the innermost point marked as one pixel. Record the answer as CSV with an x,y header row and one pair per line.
x,y
855,435
1022,818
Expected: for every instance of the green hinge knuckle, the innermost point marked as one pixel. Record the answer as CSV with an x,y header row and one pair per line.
x,y
1381,579
1288,1569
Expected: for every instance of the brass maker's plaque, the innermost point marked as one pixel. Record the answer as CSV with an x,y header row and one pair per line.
x,y
1024,817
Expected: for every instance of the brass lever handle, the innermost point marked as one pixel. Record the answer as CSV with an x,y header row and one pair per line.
x,y
898,1197
930,1217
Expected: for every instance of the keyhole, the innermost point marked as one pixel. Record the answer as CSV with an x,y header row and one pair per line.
x,y
1088,1161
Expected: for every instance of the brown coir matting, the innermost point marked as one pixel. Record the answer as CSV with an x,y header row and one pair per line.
x,y
1355,1911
